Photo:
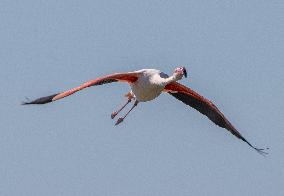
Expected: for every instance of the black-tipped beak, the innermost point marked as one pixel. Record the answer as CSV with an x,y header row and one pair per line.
x,y
184,72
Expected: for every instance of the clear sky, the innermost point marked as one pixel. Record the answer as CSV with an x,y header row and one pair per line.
x,y
233,51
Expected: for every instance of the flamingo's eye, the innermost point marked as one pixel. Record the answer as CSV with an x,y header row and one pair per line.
x,y
178,70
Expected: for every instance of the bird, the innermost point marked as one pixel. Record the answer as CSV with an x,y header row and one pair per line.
x,y
148,84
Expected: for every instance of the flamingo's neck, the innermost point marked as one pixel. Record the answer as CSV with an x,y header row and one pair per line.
x,y
175,77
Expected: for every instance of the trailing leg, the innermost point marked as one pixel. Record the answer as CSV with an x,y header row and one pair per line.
x,y
130,96
122,118
116,112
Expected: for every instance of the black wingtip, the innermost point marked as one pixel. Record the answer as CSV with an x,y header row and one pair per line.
x,y
42,100
25,102
261,151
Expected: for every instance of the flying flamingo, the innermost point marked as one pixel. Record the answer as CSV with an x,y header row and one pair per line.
x,y
146,85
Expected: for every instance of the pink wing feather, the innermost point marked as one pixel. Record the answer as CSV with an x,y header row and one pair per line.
x,y
129,77
206,107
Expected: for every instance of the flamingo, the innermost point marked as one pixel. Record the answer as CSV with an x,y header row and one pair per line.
x,y
146,85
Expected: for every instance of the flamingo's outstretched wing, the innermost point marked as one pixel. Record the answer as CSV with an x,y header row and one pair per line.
x,y
129,77
206,107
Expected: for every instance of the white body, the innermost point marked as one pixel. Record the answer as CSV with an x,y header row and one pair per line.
x,y
150,84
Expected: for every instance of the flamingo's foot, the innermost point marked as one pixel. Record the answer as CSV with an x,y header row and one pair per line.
x,y
119,121
113,115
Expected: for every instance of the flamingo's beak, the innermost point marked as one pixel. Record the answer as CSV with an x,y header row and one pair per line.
x,y
184,72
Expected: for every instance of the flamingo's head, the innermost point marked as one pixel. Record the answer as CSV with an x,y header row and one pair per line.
x,y
180,72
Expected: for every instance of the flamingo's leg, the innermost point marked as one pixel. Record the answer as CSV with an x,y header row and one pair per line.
x,y
130,97
122,118
116,112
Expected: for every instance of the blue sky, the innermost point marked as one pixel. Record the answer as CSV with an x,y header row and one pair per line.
x,y
233,51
